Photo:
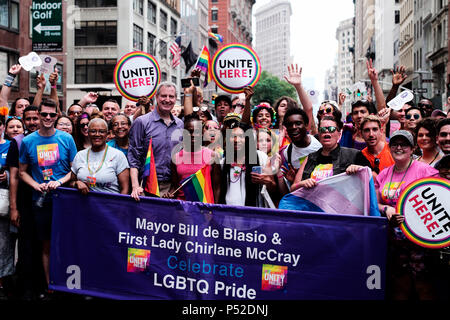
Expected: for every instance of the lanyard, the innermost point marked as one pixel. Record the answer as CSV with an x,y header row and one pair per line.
x,y
101,164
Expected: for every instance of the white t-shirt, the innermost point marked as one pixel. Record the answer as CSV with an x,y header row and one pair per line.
x,y
299,154
236,191
106,177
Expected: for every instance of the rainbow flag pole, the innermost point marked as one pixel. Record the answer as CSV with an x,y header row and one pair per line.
x,y
204,63
151,184
197,187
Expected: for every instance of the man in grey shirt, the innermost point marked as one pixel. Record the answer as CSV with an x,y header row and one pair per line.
x,y
160,125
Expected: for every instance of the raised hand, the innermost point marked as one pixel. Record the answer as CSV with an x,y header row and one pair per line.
x,y
384,115
15,69
294,75
373,73
249,92
399,75
53,78
342,98
196,73
40,82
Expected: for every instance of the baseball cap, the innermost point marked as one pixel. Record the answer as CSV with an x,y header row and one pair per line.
x,y
405,134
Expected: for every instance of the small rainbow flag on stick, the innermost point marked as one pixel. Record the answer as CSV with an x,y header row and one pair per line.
x,y
203,63
215,36
151,183
197,187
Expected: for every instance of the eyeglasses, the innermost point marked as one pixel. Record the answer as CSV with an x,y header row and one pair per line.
x,y
409,116
329,129
403,145
93,131
66,125
196,109
46,114
324,111
121,124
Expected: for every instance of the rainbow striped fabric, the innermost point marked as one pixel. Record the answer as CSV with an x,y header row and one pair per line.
x,y
203,63
149,175
197,187
215,36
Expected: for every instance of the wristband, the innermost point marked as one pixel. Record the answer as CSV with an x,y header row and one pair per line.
x,y
9,79
60,183
188,95
54,86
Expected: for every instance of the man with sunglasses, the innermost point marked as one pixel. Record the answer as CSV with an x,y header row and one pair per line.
x,y
377,151
74,112
427,107
49,153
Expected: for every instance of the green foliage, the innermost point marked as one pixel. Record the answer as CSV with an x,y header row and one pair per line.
x,y
271,88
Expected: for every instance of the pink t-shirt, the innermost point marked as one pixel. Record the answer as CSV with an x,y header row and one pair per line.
x,y
390,191
188,163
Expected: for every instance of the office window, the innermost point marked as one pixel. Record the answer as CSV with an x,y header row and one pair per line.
x,y
163,76
214,15
173,26
94,70
138,38
7,59
163,49
9,14
138,6
163,20
96,33
95,3
150,43
151,12
174,80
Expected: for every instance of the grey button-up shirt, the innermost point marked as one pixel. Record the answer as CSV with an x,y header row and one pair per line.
x,y
151,125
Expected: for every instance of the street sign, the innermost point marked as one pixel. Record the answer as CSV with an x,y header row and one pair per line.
x,y
47,25
421,90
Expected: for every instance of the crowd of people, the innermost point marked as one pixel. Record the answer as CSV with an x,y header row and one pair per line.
x,y
257,152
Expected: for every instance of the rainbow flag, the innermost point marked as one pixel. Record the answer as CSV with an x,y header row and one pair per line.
x,y
197,187
203,63
215,36
149,175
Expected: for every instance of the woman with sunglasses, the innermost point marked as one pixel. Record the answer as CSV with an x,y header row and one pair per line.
x,y
408,270
425,135
13,127
81,132
100,167
120,125
412,116
331,159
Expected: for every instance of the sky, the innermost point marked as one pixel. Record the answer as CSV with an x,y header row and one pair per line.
x,y
313,35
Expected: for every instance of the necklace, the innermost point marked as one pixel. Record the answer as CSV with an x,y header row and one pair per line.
x,y
398,186
101,163
434,159
237,172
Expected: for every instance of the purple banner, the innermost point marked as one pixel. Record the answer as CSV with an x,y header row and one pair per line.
x,y
111,246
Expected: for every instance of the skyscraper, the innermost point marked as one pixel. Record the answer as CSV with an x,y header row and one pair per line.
x,y
273,35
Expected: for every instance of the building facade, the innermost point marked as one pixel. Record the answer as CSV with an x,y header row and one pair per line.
x,y
345,35
232,19
406,43
109,29
364,36
272,37
16,41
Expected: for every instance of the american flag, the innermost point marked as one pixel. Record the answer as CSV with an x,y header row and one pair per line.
x,y
175,49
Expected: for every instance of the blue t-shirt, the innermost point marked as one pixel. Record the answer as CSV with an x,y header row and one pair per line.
x,y
48,157
4,147
113,143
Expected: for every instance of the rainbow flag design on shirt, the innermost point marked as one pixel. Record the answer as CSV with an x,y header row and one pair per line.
x,y
149,175
197,187
203,63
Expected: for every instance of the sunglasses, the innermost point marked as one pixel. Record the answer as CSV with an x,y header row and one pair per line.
x,y
46,114
329,129
409,116
82,125
376,161
14,117
324,111
75,112
196,109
